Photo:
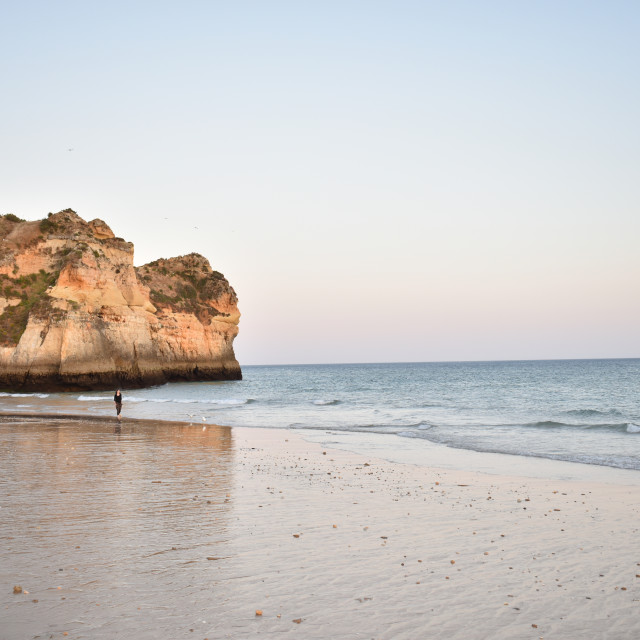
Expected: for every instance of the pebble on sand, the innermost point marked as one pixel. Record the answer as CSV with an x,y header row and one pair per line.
x,y
258,612
17,589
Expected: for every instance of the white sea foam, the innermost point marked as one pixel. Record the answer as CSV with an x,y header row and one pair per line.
x,y
633,428
24,395
215,401
137,399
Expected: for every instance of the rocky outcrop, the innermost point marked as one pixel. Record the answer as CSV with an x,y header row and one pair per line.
x,y
76,314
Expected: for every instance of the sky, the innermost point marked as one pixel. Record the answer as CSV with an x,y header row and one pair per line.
x,y
379,181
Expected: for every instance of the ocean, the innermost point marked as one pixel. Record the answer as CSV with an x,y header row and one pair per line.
x,y
585,411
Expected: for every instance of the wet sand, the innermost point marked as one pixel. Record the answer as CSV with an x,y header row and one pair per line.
x,y
176,531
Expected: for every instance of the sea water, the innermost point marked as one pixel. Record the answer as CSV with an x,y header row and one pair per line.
x,y
574,410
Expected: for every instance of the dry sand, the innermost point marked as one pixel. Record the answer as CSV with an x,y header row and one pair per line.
x,y
402,551
323,543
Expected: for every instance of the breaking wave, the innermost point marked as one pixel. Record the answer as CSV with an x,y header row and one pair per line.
x,y
24,395
552,424
136,399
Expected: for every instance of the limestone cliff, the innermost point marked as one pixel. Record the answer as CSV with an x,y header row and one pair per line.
x,y
76,314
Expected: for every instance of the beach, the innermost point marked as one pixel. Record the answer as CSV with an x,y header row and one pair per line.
x,y
170,530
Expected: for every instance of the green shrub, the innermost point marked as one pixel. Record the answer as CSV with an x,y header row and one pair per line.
x,y
14,320
158,296
189,292
46,226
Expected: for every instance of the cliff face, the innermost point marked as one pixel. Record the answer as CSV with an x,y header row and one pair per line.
x,y
76,314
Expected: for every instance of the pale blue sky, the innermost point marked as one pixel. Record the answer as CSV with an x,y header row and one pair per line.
x,y
380,181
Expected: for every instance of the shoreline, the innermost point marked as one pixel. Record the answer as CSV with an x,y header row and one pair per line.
x,y
439,456
393,449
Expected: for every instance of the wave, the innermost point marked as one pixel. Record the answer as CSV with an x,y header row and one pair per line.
x,y
109,398
24,395
325,403
552,424
615,461
223,401
587,413
136,399
378,427
633,428
220,401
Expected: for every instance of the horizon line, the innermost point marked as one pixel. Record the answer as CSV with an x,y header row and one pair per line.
x,y
330,364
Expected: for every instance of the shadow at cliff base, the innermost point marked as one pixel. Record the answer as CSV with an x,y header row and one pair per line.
x,y
22,382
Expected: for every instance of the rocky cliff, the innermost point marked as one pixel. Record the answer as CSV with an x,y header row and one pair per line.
x,y
76,314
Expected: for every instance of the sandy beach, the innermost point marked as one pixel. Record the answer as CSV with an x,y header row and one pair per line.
x,y
171,530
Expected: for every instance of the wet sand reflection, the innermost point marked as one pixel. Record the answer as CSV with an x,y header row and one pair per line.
x,y
107,527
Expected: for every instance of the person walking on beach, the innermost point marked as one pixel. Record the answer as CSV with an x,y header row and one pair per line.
x,y
117,398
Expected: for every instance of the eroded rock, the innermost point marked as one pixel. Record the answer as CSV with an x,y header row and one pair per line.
x,y
76,314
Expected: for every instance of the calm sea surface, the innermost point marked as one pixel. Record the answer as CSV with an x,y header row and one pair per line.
x,y
575,410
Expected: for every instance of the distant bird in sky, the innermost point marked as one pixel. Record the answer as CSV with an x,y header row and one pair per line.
x,y
70,149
